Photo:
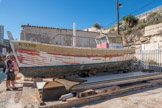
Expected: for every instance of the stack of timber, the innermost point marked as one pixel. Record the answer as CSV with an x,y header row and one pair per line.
x,y
75,101
111,85
115,79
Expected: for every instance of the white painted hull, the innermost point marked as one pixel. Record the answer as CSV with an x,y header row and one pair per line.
x,y
30,55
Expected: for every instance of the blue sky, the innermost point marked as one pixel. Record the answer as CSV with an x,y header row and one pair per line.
x,y
62,13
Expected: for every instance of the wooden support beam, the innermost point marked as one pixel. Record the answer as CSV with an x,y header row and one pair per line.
x,y
116,82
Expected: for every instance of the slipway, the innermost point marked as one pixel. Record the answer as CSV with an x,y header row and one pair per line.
x,y
116,79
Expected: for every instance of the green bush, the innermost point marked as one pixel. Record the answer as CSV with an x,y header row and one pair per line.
x,y
97,25
130,20
112,29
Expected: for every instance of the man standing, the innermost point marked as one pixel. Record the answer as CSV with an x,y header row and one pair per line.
x,y
9,70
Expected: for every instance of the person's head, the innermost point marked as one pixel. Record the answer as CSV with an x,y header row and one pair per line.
x,y
8,57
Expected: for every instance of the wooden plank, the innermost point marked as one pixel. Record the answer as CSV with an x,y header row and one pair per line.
x,y
158,81
38,97
47,79
111,77
116,82
107,89
68,83
87,93
76,101
29,93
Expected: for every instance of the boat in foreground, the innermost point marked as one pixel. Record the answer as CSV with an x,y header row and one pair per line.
x,y
39,60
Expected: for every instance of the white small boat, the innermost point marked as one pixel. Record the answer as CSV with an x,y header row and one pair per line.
x,y
38,60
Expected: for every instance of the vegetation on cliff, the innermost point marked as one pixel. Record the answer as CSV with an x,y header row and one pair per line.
x,y
153,18
97,25
132,28
130,20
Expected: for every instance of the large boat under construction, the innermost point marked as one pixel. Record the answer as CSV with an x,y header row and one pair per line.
x,y
39,60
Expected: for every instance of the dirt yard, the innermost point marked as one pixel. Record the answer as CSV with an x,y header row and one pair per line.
x,y
146,98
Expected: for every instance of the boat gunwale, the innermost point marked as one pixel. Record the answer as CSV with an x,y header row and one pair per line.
x,y
88,48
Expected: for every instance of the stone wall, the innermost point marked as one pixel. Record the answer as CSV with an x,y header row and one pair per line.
x,y
153,30
58,36
152,40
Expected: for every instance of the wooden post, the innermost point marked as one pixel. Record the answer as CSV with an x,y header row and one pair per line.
x,y
117,16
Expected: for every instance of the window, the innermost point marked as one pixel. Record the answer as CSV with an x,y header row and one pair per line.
x,y
98,41
104,40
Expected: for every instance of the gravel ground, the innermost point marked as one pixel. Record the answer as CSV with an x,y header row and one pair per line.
x,y
145,98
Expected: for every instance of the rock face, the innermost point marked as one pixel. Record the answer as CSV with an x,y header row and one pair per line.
x,y
153,29
150,34
146,30
143,39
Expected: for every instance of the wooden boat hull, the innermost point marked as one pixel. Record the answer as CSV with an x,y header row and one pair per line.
x,y
45,71
37,59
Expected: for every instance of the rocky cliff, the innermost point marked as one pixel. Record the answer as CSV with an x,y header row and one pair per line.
x,y
135,35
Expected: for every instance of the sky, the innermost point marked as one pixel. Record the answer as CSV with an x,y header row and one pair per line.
x,y
62,13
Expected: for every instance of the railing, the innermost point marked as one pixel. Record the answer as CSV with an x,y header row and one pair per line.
x,y
150,59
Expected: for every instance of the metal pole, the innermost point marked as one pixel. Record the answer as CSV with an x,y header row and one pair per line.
x,y
74,34
149,60
152,58
160,60
117,16
158,57
142,58
155,60
145,55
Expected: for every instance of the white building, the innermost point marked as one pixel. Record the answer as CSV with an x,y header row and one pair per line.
x,y
93,29
1,34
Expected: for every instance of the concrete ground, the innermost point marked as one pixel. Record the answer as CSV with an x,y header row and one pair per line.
x,y
24,97
145,98
9,99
